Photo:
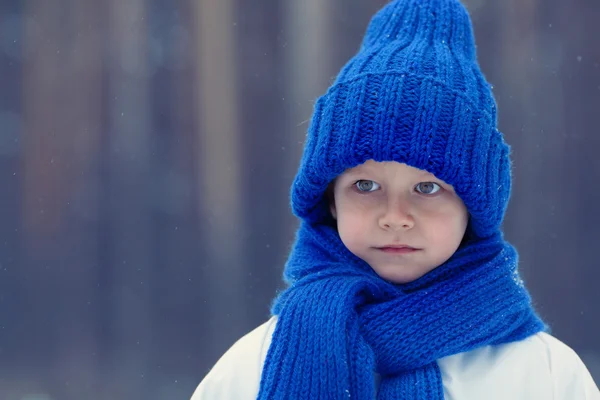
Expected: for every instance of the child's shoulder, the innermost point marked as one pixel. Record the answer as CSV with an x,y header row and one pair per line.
x,y
540,366
237,373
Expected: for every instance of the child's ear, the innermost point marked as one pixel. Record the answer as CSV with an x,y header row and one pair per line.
x,y
332,209
331,199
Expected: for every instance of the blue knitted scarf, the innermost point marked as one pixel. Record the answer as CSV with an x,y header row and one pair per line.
x,y
339,323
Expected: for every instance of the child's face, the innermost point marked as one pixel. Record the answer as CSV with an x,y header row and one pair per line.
x,y
381,204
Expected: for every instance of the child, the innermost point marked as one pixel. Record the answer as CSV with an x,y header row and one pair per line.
x,y
401,285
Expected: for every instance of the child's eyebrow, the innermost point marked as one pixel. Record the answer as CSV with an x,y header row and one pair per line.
x,y
361,171
428,174
367,171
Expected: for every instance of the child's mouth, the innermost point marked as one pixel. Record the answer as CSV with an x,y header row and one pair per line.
x,y
397,249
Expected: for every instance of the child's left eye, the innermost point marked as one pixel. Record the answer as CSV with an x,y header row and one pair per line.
x,y
428,187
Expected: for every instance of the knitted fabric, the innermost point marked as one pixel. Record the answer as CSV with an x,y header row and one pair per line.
x,y
414,94
339,322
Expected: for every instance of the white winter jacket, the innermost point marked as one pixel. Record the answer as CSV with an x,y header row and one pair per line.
x,y
538,368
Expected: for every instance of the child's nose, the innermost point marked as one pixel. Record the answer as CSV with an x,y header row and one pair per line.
x,y
397,216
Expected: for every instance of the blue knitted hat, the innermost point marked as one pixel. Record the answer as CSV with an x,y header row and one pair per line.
x,y
413,93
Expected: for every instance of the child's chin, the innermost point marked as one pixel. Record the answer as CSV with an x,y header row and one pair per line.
x,y
399,276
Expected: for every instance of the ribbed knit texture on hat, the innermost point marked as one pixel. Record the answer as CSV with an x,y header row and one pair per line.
x,y
413,93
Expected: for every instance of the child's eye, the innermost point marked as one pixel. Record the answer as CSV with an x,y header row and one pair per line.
x,y
428,187
366,185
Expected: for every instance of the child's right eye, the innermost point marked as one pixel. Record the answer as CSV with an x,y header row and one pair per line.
x,y
364,185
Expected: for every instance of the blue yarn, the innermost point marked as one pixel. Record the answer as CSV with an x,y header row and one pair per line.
x,y
339,322
414,94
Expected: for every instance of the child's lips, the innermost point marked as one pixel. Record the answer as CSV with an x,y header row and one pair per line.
x,y
397,249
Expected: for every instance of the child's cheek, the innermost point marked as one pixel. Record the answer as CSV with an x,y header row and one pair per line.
x,y
440,204
363,201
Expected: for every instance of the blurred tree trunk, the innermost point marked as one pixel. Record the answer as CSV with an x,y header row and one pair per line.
x,y
221,219
308,62
62,109
179,225
577,23
128,186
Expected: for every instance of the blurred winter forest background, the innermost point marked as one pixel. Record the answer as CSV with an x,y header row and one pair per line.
x,y
146,153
